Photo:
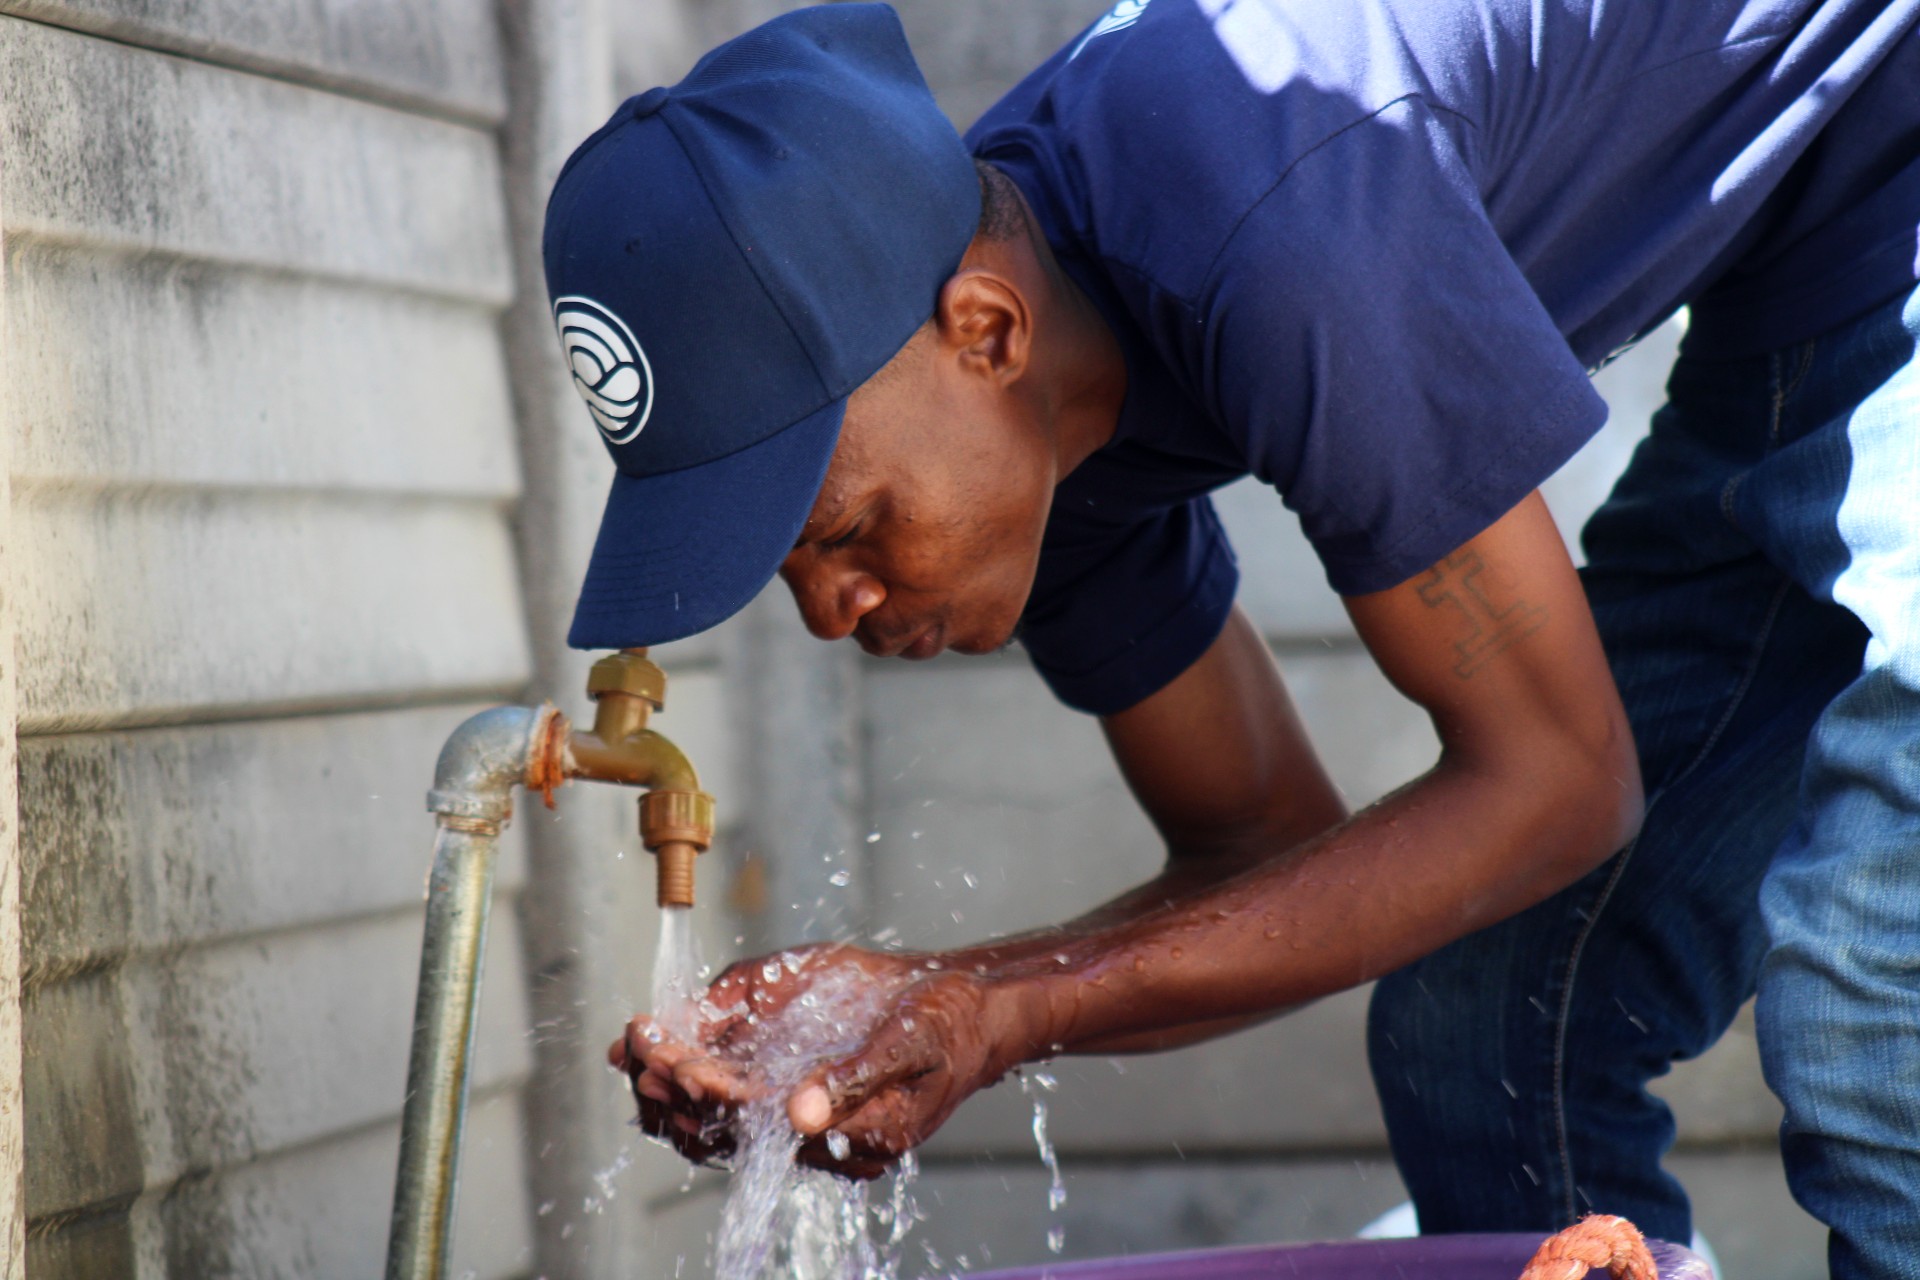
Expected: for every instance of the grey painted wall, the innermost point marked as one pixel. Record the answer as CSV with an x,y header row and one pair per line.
x,y
263,458
296,486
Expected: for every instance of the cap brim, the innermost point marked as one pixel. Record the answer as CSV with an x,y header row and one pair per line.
x,y
686,550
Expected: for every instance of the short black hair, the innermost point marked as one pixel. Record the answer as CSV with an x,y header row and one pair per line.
x,y
1003,214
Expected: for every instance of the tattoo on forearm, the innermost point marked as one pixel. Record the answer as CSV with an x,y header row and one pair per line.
x,y
1457,582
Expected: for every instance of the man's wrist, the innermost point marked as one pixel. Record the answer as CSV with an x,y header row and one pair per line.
x,y
1019,1018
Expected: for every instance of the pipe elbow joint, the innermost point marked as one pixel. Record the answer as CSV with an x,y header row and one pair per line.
x,y
485,759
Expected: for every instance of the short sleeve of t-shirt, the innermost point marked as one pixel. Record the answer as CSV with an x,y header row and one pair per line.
x,y
1382,360
1372,245
1363,342
1121,607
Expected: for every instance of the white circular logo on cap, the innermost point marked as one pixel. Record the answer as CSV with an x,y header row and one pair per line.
x,y
609,369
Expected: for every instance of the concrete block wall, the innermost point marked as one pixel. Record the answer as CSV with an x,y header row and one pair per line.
x,y
297,484
263,459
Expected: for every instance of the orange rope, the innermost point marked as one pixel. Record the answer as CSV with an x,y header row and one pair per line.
x,y
1594,1241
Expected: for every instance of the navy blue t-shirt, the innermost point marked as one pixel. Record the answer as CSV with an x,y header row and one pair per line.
x,y
1368,250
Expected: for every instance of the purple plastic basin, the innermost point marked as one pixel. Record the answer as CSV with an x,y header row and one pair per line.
x,y
1427,1258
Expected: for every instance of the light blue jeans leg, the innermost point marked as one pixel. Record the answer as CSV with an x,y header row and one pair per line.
x,y
1839,1011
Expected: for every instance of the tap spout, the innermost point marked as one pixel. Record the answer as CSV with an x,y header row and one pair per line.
x,y
647,759
676,816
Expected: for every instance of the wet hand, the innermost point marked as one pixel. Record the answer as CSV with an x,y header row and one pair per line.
x,y
690,1087
945,1036
938,1040
686,1098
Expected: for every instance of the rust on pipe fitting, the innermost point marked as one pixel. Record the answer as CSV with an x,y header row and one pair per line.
x,y
547,763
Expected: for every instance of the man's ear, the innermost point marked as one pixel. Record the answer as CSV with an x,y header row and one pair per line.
x,y
985,322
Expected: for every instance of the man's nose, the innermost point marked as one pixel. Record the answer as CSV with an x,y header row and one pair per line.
x,y
832,601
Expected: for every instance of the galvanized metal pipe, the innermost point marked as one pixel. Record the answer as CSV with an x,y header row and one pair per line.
x,y
473,795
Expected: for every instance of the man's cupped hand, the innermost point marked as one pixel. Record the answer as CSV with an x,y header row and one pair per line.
x,y
941,1035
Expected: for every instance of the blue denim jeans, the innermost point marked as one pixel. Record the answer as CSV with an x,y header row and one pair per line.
x,y
1756,579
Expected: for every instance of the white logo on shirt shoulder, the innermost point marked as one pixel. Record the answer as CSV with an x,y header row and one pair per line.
x,y
1119,18
609,369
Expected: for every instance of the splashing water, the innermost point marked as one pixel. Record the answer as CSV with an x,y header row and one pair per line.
x,y
1037,1086
782,1219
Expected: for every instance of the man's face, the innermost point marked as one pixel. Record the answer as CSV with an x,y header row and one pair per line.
x,y
927,531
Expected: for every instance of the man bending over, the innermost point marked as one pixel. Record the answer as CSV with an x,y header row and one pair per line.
x,y
958,393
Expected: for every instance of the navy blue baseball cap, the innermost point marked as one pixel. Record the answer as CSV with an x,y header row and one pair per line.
x,y
728,259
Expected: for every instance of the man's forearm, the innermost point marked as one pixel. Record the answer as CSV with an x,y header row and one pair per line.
x,y
1448,855
1221,764
1537,783
1181,879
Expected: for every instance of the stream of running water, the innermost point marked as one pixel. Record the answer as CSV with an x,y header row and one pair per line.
x,y
678,975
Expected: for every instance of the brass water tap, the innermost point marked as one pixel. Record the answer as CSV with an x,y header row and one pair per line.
x,y
676,816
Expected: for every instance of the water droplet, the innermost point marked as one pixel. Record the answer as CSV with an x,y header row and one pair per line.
x,y
841,878
839,1145
873,837
1056,1239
